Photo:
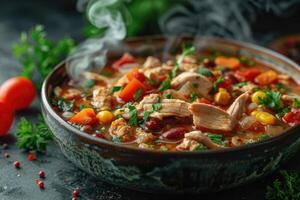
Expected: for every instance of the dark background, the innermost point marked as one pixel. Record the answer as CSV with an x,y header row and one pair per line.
x,y
61,19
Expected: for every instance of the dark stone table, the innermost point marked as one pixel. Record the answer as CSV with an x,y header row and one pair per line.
x,y
61,175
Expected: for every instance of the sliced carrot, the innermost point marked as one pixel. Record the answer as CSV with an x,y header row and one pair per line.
x,y
86,116
231,62
128,92
266,77
136,74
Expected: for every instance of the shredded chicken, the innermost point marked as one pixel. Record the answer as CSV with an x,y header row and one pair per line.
x,y
119,128
198,83
102,98
175,94
202,138
151,62
71,94
212,117
143,136
187,145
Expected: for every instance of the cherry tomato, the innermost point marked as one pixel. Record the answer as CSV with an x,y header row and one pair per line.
x,y
125,59
227,83
18,91
247,75
292,118
6,117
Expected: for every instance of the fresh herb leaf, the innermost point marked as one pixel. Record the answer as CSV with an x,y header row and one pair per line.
x,y
216,138
38,53
33,137
89,83
64,105
166,84
247,61
200,148
287,187
133,117
137,95
116,89
81,107
174,71
150,81
193,96
188,49
272,100
156,107
241,84
283,111
280,86
204,71
169,96
264,137
217,83
296,103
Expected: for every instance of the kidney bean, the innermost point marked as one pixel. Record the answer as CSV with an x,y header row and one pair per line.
x,y
154,124
175,133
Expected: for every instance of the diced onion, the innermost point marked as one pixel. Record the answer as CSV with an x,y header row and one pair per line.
x,y
252,106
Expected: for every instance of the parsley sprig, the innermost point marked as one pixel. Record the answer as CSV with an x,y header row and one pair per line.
x,y
272,100
33,137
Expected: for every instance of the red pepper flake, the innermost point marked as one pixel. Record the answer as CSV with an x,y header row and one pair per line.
x,y
17,164
41,174
31,157
76,192
41,184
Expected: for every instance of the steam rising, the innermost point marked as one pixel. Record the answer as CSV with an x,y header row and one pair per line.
x,y
91,54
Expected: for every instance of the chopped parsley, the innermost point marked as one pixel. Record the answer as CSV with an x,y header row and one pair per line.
x,y
133,116
166,84
247,61
64,105
283,111
193,96
272,100
200,148
155,107
264,137
280,86
216,138
173,73
138,94
217,83
296,103
116,89
169,96
82,106
204,71
241,84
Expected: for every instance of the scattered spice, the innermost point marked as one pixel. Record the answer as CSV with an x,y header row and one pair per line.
x,y
41,174
17,164
76,192
41,184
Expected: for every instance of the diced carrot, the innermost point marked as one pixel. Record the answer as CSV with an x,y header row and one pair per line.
x,y
136,74
86,116
128,92
266,77
247,75
231,62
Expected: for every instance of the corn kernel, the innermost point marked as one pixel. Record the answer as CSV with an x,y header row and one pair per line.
x,y
257,96
254,113
222,97
105,117
265,118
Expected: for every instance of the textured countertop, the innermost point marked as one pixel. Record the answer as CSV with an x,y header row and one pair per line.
x,y
61,175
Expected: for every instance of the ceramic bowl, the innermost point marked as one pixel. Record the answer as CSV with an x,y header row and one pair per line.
x,y
172,172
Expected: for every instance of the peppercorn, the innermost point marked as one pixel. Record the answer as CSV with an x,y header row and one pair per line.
x,y
41,174
76,192
17,164
41,184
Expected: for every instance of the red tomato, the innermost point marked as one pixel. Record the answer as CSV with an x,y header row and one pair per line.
x,y
6,117
127,94
18,91
292,118
227,83
125,59
136,74
247,75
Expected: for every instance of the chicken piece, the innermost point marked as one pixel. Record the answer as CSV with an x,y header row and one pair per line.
x,y
246,88
202,138
187,145
290,97
169,107
102,98
151,62
198,83
212,117
70,94
143,136
119,128
175,94
163,70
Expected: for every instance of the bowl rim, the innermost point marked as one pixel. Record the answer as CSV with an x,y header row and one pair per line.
x,y
126,148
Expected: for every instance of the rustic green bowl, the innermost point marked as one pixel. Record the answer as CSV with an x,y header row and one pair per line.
x,y
173,172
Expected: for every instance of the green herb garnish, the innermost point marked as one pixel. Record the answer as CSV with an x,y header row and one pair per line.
x,y
64,105
287,187
241,84
200,148
272,100
283,111
247,61
38,53
133,117
33,137
116,89
137,95
216,138
155,107
280,86
264,137
166,84
204,71
116,139
169,96
193,96
296,103
217,83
